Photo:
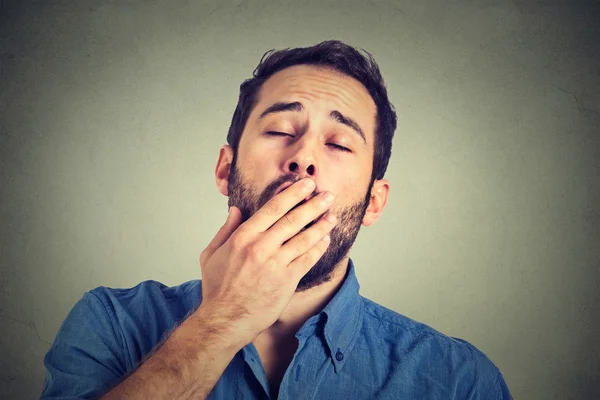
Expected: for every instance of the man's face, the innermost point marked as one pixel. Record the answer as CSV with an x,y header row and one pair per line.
x,y
311,148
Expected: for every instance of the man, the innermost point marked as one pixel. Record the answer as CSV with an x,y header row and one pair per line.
x,y
277,313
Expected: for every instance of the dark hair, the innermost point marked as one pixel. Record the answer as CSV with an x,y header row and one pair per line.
x,y
329,54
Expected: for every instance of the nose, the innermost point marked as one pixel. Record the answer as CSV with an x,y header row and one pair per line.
x,y
300,168
302,160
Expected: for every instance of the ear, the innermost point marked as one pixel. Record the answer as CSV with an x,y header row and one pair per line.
x,y
222,169
379,196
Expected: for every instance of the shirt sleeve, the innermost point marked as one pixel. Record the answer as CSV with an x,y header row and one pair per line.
x,y
502,389
86,358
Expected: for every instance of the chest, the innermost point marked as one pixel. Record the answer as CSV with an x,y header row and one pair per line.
x,y
369,371
275,356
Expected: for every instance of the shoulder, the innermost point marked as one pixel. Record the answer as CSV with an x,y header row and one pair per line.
x,y
143,312
148,310
421,348
108,331
150,296
398,328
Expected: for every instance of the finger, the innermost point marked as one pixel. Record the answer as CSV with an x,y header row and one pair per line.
x,y
291,223
302,264
232,222
306,240
279,205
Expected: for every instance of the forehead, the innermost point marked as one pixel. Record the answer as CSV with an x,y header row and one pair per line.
x,y
320,88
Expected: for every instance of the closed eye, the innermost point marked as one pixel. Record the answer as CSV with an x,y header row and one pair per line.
x,y
273,133
334,145
337,146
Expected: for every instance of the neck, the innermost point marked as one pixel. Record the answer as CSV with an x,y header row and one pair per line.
x,y
304,305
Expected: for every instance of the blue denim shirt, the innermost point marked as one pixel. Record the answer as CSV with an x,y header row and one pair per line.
x,y
353,349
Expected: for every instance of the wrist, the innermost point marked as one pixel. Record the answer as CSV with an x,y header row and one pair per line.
x,y
222,330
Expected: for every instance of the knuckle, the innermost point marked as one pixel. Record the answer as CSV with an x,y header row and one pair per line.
x,y
256,253
319,248
271,264
301,243
289,219
273,206
318,251
237,240
308,257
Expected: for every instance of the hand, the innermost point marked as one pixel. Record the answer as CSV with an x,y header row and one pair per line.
x,y
250,271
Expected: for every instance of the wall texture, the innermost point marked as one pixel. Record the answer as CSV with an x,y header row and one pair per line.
x,y
112,114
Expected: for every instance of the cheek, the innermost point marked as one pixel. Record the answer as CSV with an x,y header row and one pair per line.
x,y
259,169
351,192
254,162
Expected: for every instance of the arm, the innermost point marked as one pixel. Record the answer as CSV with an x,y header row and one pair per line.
x,y
186,366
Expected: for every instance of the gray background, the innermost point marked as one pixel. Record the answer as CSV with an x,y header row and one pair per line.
x,y
112,115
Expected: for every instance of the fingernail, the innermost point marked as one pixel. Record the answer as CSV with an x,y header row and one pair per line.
x,y
309,183
328,197
326,239
330,217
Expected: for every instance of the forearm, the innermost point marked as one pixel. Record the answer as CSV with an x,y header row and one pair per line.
x,y
186,366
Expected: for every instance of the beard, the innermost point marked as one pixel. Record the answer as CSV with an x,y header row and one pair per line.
x,y
343,234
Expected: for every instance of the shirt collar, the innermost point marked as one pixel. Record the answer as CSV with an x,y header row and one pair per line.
x,y
342,318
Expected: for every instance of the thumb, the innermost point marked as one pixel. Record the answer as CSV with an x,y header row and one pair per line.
x,y
233,221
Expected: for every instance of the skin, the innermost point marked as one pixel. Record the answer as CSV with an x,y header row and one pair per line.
x,y
264,161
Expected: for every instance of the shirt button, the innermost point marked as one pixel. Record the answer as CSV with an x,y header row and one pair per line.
x,y
339,356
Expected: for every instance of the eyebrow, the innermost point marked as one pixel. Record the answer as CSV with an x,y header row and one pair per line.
x,y
297,107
